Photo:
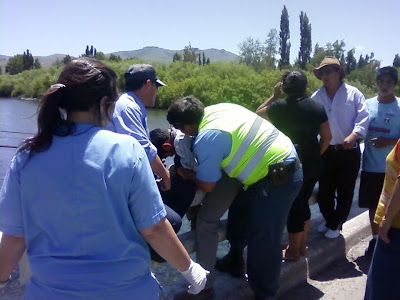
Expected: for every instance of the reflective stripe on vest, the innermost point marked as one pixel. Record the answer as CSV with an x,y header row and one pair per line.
x,y
257,156
256,143
243,147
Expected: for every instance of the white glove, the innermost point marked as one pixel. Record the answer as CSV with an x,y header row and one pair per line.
x,y
197,277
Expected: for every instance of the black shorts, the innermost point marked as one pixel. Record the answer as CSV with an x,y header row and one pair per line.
x,y
370,189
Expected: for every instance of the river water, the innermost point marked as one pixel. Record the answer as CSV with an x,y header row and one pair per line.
x,y
20,116
18,120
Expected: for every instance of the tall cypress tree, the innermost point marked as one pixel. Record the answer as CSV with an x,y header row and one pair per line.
x,y
305,41
351,61
284,42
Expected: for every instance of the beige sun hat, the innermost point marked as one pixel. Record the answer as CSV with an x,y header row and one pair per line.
x,y
329,61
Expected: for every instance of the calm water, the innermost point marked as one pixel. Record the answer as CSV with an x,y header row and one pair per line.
x,y
20,116
18,120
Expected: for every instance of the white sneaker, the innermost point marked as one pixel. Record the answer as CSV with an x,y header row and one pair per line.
x,y
332,234
322,228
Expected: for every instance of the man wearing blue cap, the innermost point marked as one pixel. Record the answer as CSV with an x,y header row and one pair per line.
x,y
130,114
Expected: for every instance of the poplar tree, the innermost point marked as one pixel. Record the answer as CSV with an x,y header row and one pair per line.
x,y
351,61
284,42
189,54
305,41
396,61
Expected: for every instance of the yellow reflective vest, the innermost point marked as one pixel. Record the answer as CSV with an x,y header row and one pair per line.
x,y
256,143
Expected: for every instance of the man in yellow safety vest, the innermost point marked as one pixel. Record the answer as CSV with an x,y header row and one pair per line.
x,y
235,150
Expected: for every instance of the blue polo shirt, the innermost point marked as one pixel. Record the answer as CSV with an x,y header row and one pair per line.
x,y
80,205
130,117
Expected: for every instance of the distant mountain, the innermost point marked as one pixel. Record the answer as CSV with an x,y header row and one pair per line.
x,y
149,54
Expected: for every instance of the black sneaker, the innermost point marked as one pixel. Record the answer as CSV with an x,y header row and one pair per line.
x,y
231,264
371,247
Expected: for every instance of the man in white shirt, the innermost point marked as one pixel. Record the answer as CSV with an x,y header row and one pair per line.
x,y
348,119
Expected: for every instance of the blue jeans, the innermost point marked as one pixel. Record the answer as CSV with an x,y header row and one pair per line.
x,y
269,208
383,277
257,219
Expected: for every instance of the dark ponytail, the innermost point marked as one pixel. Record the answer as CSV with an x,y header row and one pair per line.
x,y
81,85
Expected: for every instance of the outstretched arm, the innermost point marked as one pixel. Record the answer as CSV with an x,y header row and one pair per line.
x,y
164,241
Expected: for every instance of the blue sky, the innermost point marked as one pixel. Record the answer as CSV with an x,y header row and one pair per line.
x,y
49,26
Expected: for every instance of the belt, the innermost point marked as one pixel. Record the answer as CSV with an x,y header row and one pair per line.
x,y
294,165
339,147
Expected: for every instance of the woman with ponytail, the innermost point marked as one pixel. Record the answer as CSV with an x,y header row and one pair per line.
x,y
83,202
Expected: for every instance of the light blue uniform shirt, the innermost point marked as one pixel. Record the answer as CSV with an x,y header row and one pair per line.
x,y
346,113
130,117
384,121
79,205
211,147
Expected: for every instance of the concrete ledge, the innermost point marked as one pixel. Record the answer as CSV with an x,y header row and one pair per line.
x,y
322,251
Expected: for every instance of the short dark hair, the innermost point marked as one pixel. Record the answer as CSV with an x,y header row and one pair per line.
x,y
294,83
185,111
388,71
158,137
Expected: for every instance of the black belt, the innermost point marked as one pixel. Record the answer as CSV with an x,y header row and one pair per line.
x,y
294,165
339,147
291,166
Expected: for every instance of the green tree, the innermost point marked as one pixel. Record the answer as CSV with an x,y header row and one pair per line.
x,y
37,65
189,54
176,57
319,54
90,52
208,61
270,48
15,64
351,61
396,61
27,60
362,61
204,59
67,58
114,57
284,42
100,55
305,41
199,55
57,63
251,52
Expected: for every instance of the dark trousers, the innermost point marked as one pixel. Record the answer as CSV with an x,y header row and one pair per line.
x,y
177,201
383,277
300,211
338,179
260,214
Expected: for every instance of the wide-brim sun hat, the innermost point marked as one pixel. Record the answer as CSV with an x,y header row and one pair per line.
x,y
329,61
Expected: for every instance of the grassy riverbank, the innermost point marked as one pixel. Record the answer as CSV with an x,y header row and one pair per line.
x,y
217,82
